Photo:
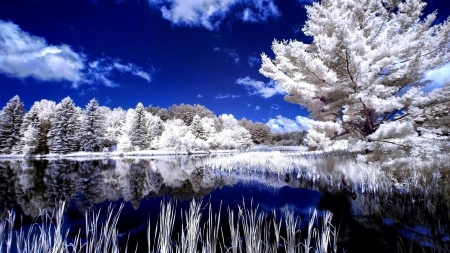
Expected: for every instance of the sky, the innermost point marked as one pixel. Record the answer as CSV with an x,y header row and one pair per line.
x,y
158,52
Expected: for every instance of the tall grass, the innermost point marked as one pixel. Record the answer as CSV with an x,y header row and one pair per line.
x,y
249,231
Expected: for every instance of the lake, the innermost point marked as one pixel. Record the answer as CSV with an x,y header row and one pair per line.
x,y
378,221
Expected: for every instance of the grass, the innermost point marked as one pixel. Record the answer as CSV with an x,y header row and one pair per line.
x,y
249,231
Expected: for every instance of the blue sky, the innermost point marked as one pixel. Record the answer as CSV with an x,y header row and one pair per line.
x,y
158,52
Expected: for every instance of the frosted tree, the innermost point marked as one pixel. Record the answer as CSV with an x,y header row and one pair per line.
x,y
31,133
197,128
11,117
364,69
114,122
171,138
64,132
187,112
124,141
92,128
155,127
260,132
232,135
139,135
35,127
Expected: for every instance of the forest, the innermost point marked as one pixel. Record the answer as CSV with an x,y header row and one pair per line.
x,y
65,128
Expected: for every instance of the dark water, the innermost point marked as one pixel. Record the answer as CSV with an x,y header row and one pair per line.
x,y
381,222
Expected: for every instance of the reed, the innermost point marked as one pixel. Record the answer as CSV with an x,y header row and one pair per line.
x,y
250,231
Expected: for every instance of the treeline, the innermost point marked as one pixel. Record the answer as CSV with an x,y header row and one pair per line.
x,y
65,128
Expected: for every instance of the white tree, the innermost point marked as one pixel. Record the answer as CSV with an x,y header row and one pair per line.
x,y
155,126
11,117
64,132
35,127
124,141
31,134
232,136
196,128
114,122
92,128
172,136
364,69
139,129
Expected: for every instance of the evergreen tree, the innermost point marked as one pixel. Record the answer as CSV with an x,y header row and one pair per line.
x,y
32,139
11,117
92,128
197,128
139,131
63,135
35,127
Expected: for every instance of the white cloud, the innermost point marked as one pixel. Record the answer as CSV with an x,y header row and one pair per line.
x,y
438,77
210,13
248,105
259,10
282,124
220,96
265,90
257,108
275,107
216,49
253,60
23,55
232,54
199,96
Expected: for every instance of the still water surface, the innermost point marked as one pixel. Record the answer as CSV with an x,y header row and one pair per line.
x,y
378,221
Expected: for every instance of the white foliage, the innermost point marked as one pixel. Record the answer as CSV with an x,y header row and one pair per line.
x,y
233,138
228,121
365,68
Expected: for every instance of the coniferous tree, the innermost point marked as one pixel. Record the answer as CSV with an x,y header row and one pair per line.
x,y
139,132
92,128
11,117
35,127
63,135
197,128
31,134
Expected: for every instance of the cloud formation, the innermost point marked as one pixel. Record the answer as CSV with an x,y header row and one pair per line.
x,y
220,96
438,77
253,61
281,124
265,90
210,13
233,55
257,108
23,55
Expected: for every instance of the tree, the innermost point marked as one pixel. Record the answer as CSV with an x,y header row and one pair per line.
x,y
260,132
114,122
187,112
139,132
64,133
11,117
197,128
363,71
35,127
92,128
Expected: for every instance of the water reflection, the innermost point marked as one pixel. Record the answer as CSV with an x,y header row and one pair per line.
x,y
378,220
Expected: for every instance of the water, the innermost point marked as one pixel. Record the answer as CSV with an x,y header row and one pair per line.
x,y
370,223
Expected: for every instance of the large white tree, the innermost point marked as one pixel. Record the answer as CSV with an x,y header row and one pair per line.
x,y
35,127
92,137
362,74
64,133
11,117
